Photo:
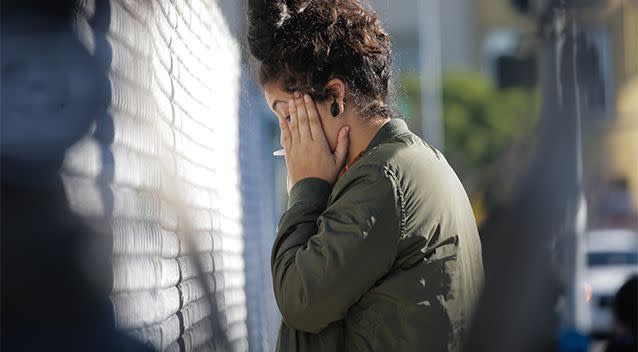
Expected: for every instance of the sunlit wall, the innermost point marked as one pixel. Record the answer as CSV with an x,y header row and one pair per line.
x,y
162,165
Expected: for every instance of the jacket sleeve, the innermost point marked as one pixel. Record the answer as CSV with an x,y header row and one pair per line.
x,y
324,259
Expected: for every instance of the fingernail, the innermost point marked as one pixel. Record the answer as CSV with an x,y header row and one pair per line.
x,y
347,129
297,94
306,97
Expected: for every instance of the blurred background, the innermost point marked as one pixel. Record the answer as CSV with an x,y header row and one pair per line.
x,y
139,190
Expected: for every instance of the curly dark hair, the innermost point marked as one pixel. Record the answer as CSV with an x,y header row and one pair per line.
x,y
305,43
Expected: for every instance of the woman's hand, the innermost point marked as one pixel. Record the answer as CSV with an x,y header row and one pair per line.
x,y
307,151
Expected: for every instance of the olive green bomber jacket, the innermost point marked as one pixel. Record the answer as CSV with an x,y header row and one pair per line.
x,y
387,260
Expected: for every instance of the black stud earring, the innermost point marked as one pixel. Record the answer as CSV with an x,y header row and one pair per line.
x,y
334,109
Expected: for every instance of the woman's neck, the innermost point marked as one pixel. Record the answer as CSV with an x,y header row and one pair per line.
x,y
361,134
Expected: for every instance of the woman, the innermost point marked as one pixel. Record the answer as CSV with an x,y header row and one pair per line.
x,y
378,250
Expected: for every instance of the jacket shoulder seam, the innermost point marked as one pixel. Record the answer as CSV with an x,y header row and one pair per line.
x,y
395,181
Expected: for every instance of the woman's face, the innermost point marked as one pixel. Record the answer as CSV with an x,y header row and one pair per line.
x,y
277,99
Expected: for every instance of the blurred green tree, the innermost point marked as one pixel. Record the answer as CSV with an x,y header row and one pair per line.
x,y
480,121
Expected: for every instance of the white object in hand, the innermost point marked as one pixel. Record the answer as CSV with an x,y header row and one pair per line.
x,y
280,152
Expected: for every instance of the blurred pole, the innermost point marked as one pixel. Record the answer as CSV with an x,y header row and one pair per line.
x,y
531,246
430,67
563,49
571,244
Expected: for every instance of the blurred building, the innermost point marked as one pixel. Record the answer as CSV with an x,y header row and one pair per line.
x,y
403,20
621,135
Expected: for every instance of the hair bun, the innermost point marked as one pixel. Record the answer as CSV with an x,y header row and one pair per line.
x,y
264,17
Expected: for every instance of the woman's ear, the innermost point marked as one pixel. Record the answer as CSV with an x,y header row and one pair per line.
x,y
337,90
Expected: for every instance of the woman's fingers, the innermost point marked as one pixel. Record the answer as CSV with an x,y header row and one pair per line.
x,y
294,121
343,143
314,121
285,136
302,117
307,152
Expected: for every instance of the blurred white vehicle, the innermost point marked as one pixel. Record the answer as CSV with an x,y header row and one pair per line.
x,y
612,258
